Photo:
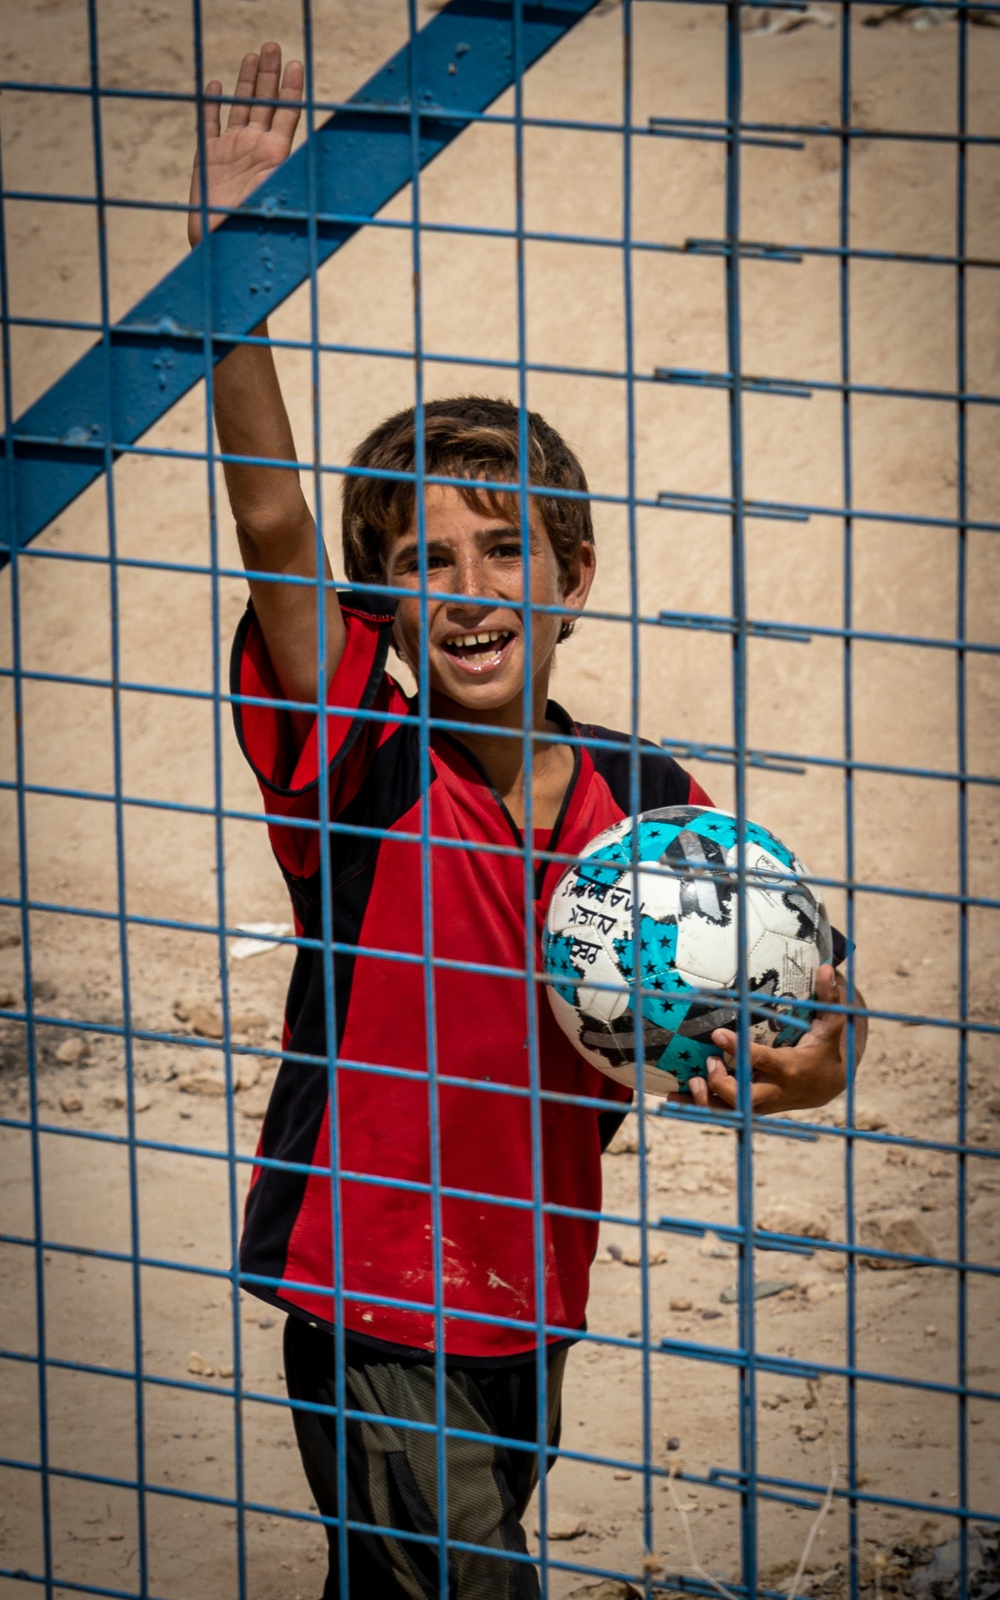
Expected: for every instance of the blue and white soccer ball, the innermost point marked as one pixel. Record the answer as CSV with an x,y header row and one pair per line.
x,y
685,935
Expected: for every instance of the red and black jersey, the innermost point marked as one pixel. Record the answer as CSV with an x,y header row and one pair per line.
x,y
376,781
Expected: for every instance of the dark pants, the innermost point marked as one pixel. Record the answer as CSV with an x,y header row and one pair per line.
x,y
391,1472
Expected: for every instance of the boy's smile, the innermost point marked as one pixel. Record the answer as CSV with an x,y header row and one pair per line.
x,y
476,641
479,652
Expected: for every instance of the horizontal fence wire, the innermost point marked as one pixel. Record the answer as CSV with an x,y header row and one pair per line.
x,y
357,155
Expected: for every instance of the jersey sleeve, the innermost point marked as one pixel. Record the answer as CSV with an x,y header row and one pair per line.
x,y
696,794
288,772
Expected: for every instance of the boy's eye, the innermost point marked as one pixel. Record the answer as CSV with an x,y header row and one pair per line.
x,y
410,563
508,549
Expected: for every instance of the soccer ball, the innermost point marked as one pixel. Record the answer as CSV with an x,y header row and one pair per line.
x,y
684,873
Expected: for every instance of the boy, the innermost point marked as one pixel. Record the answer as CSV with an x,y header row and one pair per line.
x,y
411,1281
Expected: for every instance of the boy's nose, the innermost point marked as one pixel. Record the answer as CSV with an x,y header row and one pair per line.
x,y
471,578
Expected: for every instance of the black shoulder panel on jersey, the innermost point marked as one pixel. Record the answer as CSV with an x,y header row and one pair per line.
x,y
299,1098
661,781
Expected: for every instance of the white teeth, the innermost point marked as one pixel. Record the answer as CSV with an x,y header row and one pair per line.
x,y
469,639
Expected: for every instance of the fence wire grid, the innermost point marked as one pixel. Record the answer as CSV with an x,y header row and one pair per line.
x,y
872,576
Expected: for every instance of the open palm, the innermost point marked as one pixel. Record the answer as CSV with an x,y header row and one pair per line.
x,y
257,137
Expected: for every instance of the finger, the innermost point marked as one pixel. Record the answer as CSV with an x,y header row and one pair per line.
x,y
698,1090
286,118
721,1084
211,111
268,74
772,1062
766,1099
239,116
697,1094
828,993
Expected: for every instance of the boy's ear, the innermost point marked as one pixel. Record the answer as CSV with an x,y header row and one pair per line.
x,y
397,643
579,576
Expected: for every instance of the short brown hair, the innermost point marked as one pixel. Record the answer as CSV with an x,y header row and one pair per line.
x,y
472,437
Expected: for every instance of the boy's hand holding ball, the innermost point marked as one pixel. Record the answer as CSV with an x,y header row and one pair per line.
x,y
787,1077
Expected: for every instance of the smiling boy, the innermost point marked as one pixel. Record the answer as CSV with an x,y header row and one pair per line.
x,y
463,1274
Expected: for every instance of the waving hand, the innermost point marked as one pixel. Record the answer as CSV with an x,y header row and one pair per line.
x,y
257,138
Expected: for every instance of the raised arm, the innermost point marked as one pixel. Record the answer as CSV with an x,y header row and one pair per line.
x,y
273,522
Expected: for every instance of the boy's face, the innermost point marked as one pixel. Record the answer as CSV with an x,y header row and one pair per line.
x,y
476,645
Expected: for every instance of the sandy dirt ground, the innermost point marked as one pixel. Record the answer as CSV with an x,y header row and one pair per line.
x,y
186,1201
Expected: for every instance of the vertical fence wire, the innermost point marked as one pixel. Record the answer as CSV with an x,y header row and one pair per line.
x,y
962,793
747,1371
635,782
218,800
847,734
36,1245
121,874
415,97
530,861
326,838
747,1360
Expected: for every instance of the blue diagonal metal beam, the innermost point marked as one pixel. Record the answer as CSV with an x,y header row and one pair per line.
x,y
465,60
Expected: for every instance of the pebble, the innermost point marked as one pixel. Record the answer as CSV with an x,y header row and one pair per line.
x,y
808,1431
248,1022
680,1303
9,940
245,949
205,1022
254,1102
44,989
70,1100
72,1050
717,1249
199,1366
626,1140
763,1289
248,1072
673,1443
870,1121
607,1589
782,1218
8,997
203,1082
902,1233
633,1258
141,1099
199,1018
561,1526
621,1476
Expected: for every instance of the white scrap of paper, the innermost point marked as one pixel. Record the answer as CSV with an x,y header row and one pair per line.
x,y
268,935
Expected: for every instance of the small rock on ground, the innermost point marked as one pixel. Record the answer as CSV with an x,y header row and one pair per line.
x,y
607,1589
783,1218
901,1233
561,1526
72,1050
626,1140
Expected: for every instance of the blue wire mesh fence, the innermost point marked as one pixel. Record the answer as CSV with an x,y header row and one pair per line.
x,y
746,259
